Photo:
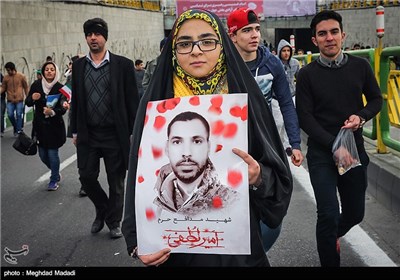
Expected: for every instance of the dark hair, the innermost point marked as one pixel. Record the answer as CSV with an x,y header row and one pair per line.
x,y
252,17
325,15
45,64
138,62
188,116
9,65
96,25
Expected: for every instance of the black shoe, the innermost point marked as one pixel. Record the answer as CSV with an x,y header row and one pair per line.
x,y
97,226
115,233
82,193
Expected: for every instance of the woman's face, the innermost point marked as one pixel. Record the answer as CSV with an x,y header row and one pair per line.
x,y
49,72
197,63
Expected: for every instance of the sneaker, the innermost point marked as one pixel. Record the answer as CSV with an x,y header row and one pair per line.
x,y
53,186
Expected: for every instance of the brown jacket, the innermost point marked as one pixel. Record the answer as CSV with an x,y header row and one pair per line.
x,y
16,87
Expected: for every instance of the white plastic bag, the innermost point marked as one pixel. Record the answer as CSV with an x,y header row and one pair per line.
x,y
344,151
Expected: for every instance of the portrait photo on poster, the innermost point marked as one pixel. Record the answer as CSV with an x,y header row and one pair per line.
x,y
192,190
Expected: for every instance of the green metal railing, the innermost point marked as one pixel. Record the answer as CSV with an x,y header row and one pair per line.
x,y
390,102
369,54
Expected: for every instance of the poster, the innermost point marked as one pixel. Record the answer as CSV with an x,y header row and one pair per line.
x,y
191,189
221,8
51,100
263,8
275,8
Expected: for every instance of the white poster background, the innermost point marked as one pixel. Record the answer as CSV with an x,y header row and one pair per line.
x,y
224,230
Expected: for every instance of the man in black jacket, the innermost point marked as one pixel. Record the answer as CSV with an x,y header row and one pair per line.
x,y
102,115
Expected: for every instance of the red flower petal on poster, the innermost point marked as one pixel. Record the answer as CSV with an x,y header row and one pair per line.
x,y
170,104
244,114
157,152
217,202
140,179
195,100
157,172
150,215
149,105
215,110
218,148
217,127
140,152
161,107
216,101
159,122
146,119
239,112
235,178
235,111
230,130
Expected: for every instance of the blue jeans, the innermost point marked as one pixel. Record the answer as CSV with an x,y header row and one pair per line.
x,y
15,113
269,235
334,221
51,159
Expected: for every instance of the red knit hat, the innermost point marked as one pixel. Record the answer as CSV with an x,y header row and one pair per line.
x,y
240,18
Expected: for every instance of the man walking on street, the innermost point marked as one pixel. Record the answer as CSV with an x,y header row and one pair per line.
x,y
103,111
291,67
244,31
329,94
16,87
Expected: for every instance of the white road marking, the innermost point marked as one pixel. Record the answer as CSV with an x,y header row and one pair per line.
x,y
64,164
357,238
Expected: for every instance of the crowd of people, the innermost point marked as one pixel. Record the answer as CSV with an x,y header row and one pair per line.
x,y
107,96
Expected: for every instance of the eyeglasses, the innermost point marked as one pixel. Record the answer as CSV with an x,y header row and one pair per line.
x,y
204,45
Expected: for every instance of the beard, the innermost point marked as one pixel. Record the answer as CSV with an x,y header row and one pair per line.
x,y
189,177
95,48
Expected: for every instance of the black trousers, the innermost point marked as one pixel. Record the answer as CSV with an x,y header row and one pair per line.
x,y
334,219
104,144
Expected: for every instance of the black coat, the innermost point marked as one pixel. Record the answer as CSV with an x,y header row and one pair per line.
x,y
268,203
50,132
125,99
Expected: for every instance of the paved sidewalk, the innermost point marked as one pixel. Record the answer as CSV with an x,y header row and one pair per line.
x,y
384,176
